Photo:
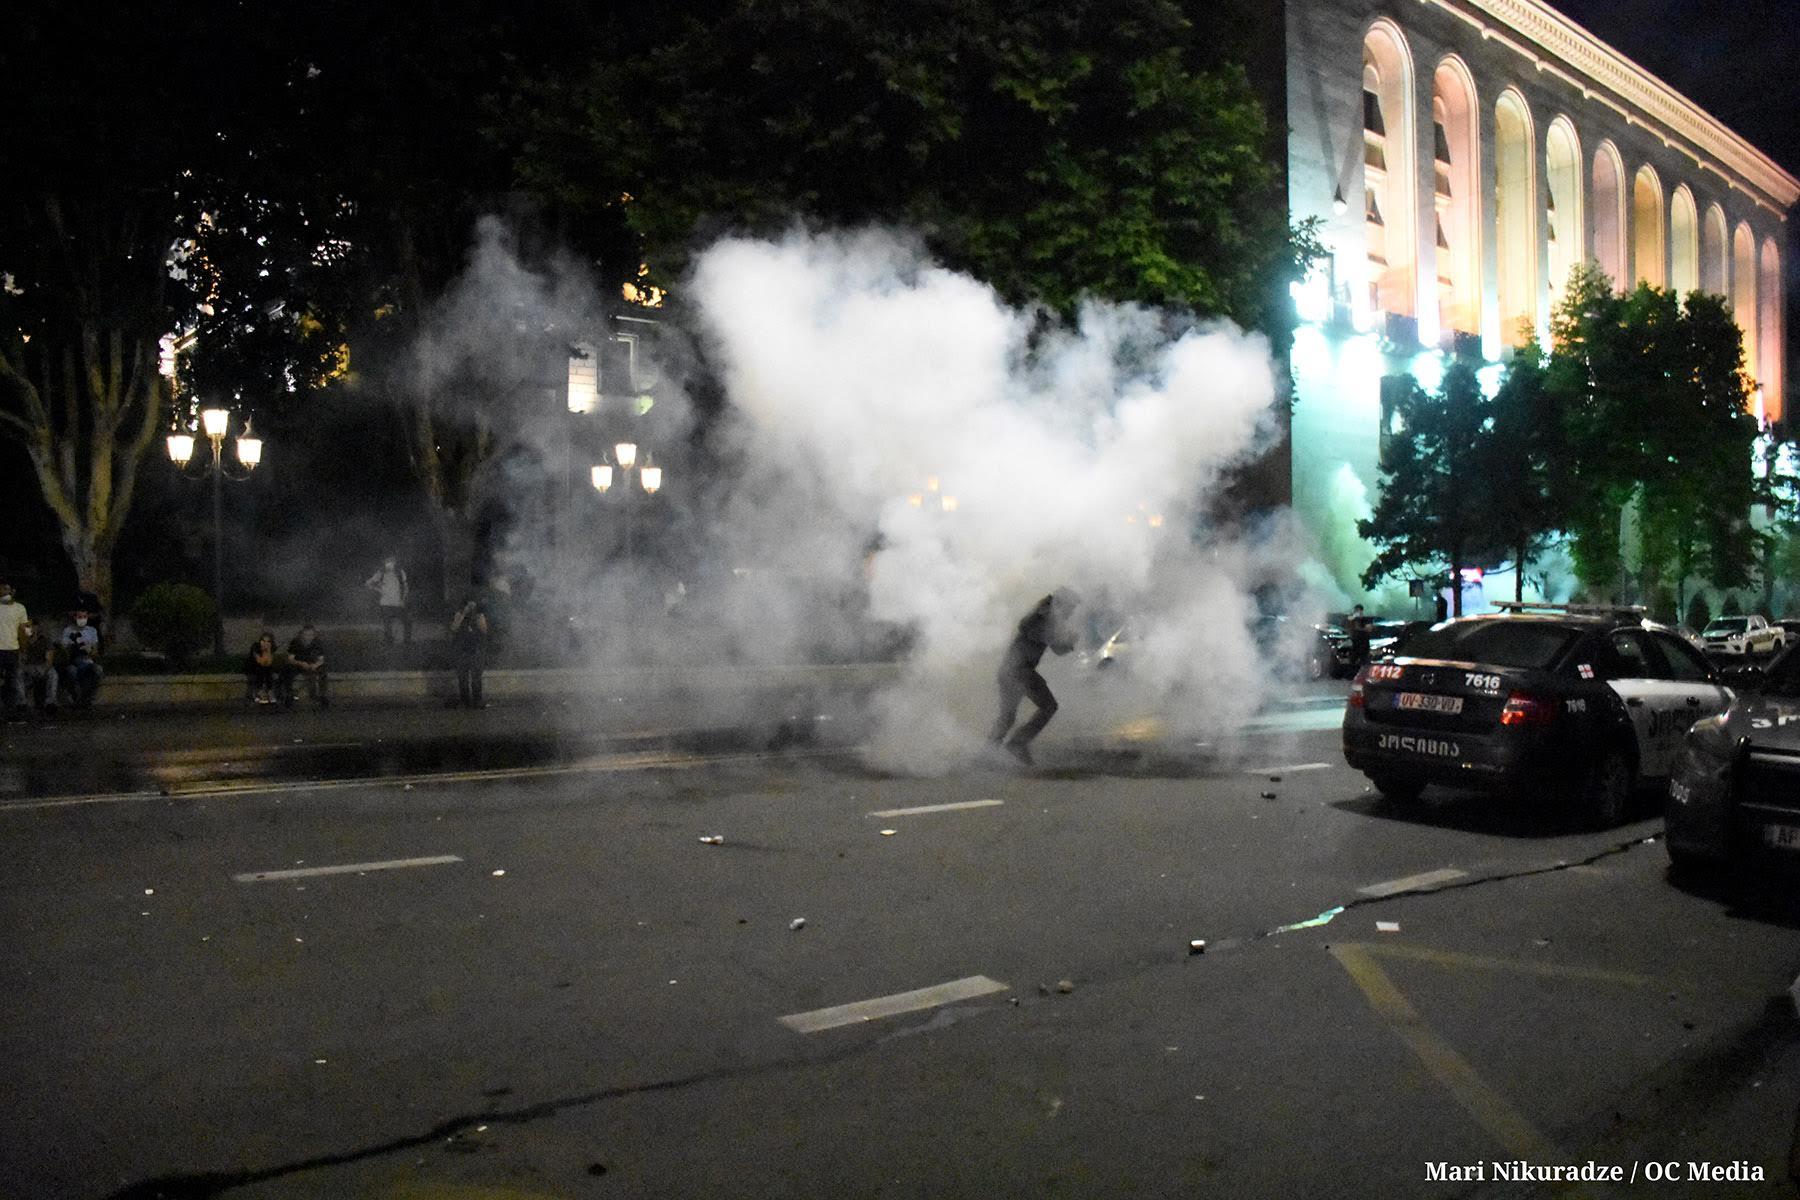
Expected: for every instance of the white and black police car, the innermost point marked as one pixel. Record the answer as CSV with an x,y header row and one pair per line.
x,y
1573,705
1735,791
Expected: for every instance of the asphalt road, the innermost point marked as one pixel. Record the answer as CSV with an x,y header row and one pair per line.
x,y
550,987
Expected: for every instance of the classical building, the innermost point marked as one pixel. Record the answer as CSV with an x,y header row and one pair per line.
x,y
1462,156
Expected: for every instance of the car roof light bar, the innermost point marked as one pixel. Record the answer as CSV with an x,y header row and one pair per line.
x,y
1598,610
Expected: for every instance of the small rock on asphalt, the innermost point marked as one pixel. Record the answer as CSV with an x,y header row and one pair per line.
x,y
797,923
1268,795
1197,946
1065,987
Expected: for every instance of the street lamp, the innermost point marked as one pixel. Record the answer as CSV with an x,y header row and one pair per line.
x,y
215,422
649,477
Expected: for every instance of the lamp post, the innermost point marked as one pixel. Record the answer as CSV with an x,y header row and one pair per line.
x,y
649,477
214,422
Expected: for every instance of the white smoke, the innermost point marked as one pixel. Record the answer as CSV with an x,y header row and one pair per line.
x,y
872,392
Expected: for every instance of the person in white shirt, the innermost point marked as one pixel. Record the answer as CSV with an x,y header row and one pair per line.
x,y
12,681
390,588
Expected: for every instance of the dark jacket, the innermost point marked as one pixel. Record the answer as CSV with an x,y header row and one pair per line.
x,y
300,652
1045,627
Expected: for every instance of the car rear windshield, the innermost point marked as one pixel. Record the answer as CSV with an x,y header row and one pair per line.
x,y
1496,643
1728,625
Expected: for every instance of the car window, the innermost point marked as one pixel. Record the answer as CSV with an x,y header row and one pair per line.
x,y
1629,657
1500,643
1727,625
1684,662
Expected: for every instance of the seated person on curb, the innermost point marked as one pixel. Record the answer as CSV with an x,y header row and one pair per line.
x,y
306,664
260,671
37,664
81,664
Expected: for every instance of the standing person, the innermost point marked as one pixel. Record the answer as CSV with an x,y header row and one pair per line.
x,y
1048,626
1359,636
306,658
260,670
12,683
37,663
391,594
1443,608
81,642
469,633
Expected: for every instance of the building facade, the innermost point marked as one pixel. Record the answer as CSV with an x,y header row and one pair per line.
x,y
1462,156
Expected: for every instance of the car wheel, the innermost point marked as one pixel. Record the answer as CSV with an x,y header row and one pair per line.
x,y
1687,867
1399,789
1606,792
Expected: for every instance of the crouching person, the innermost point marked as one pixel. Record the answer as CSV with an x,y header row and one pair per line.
x,y
81,646
306,663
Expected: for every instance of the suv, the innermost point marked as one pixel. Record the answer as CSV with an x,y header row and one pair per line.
x,y
1742,636
1581,703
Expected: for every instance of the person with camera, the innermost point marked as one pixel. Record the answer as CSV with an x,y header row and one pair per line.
x,y
469,637
81,659
306,664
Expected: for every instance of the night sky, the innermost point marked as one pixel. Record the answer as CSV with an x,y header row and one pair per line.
x,y
1739,61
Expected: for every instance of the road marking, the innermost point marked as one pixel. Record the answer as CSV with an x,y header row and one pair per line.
x,y
1504,1123
391,864
889,1006
931,808
1451,959
648,760
1411,882
1288,770
1303,721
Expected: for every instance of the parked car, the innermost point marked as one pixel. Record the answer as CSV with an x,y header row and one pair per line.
x,y
1790,630
1735,788
1577,704
1739,637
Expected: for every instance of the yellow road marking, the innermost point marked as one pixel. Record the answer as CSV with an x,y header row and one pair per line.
x,y
1446,958
1501,1121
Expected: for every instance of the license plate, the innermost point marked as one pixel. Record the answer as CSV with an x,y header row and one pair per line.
x,y
1782,837
1420,702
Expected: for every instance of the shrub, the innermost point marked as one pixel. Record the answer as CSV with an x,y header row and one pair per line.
x,y
1731,608
1699,613
1662,606
175,618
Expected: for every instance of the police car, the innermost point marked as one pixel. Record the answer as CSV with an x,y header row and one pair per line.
x,y
1575,704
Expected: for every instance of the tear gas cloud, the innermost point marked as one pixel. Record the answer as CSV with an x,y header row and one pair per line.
x,y
899,446
871,390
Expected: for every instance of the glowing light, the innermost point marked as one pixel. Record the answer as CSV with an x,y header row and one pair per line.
x,y
181,448
931,483
1312,351
602,477
626,453
249,450
651,478
949,503
584,378
1312,297
1156,521
214,421
1428,369
1489,379
916,500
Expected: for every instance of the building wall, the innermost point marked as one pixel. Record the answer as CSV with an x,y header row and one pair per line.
x,y
1348,340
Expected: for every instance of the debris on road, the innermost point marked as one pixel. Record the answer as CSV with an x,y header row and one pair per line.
x,y
501,871
1197,946
1065,986
149,891
889,832
712,839
1387,927
1268,795
797,923
1323,918
1274,779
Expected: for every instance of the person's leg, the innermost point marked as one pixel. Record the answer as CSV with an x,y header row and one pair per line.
x,y
387,624
405,626
12,680
1038,692
1012,690
319,684
465,667
96,674
475,682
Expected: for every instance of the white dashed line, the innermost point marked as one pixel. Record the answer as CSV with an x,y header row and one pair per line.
x,y
931,808
889,1006
1288,770
1411,882
347,869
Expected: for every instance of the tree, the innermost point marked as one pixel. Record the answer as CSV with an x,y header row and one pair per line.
x,y
1052,151
1433,505
116,148
1524,459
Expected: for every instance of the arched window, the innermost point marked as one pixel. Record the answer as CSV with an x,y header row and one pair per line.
x,y
1563,219
1684,242
1515,218
1456,142
1648,255
1769,339
1743,291
1609,213
1389,169
1715,266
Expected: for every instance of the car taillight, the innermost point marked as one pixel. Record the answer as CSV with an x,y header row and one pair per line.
x,y
1524,709
1356,688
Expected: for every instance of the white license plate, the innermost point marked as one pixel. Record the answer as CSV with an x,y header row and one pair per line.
x,y
1420,702
1782,837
